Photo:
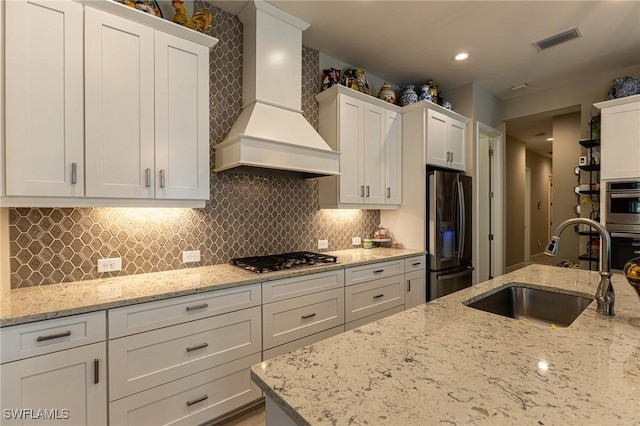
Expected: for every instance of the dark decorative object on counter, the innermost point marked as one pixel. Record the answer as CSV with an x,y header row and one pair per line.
x,y
625,86
330,77
409,96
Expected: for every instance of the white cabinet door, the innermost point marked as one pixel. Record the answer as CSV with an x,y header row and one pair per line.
x,y
393,158
457,145
181,118
70,384
374,150
351,142
437,153
119,110
416,289
44,98
620,148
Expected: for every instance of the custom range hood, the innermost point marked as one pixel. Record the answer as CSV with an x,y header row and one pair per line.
x,y
271,136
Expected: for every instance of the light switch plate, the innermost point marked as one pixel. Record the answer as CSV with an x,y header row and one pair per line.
x,y
356,241
323,244
191,256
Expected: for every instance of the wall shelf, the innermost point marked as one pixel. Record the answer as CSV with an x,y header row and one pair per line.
x,y
590,168
590,143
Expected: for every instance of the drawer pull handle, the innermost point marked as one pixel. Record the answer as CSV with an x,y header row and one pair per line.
x,y
408,285
309,316
378,296
195,401
53,336
196,307
148,177
416,264
388,192
74,173
378,271
96,371
361,190
162,179
195,348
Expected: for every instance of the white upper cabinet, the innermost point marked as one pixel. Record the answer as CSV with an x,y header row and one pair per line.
x,y
620,138
44,98
105,106
159,147
446,141
368,134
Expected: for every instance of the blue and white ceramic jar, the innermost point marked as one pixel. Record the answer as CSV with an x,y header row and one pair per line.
x,y
424,93
409,96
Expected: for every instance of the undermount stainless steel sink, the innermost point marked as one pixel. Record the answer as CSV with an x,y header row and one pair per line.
x,y
516,300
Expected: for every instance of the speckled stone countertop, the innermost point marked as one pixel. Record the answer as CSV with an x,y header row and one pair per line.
x,y
30,304
446,363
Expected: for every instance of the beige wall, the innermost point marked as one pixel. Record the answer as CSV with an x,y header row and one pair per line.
x,y
515,182
566,150
540,167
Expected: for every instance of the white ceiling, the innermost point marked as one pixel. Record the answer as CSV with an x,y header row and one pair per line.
x,y
410,42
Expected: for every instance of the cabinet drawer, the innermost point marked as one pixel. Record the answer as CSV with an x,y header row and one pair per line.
x,y
360,274
42,337
415,263
273,291
291,346
295,318
190,400
156,357
374,296
371,318
149,316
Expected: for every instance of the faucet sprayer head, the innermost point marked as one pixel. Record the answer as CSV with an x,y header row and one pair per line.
x,y
552,247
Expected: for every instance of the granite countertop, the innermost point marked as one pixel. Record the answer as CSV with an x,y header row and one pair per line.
x,y
31,304
446,363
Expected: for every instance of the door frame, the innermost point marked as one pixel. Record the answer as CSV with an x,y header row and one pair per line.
x,y
496,137
527,214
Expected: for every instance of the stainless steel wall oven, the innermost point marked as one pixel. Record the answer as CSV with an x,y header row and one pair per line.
x,y
623,221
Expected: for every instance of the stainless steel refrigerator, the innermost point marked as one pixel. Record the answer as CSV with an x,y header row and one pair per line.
x,y
448,232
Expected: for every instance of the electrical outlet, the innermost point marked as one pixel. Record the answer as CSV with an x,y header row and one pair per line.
x,y
191,256
323,244
110,265
356,241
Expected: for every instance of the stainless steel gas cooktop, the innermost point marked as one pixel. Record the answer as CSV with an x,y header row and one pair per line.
x,y
284,261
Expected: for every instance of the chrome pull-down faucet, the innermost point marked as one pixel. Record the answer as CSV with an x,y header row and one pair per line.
x,y
605,298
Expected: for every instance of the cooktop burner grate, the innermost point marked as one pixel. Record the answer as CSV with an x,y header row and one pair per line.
x,y
284,261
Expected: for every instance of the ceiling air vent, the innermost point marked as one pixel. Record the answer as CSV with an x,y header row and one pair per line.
x,y
557,39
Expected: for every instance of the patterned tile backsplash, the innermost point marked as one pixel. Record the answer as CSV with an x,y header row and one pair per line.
x,y
247,215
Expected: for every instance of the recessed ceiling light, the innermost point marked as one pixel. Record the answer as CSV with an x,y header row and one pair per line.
x,y
549,139
461,56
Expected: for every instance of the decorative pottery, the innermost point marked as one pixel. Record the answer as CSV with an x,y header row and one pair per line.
x,y
361,83
387,94
147,6
409,96
424,93
348,78
447,105
632,273
330,77
200,21
625,86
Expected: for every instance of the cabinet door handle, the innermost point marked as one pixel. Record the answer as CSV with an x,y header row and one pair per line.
x,y
309,316
196,307
388,192
408,285
53,336
195,401
74,173
195,348
367,191
162,178
96,371
416,264
378,271
148,177
378,296
362,190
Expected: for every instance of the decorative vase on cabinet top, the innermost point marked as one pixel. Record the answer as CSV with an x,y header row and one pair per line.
x,y
387,94
424,93
409,96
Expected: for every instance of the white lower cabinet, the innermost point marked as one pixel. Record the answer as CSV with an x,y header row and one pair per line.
x,y
415,281
317,307
192,399
187,370
65,383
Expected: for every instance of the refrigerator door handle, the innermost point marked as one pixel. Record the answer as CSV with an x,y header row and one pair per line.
x,y
432,216
463,220
456,275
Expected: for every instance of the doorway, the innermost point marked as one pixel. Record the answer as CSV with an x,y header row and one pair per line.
x,y
489,203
